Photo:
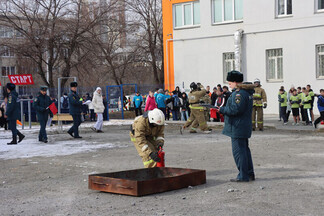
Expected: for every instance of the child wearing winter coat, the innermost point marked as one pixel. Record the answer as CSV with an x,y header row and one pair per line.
x,y
320,106
150,102
99,108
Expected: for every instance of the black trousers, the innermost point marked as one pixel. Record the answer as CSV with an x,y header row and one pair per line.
x,y
308,116
319,119
13,127
283,114
76,123
42,132
138,111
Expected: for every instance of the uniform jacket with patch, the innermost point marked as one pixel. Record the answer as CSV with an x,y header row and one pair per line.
x,y
143,132
259,96
74,103
13,107
40,104
195,96
238,112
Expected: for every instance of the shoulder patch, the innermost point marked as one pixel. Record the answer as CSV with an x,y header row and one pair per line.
x,y
237,98
36,100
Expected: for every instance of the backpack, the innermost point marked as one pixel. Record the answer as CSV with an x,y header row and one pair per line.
x,y
176,101
65,103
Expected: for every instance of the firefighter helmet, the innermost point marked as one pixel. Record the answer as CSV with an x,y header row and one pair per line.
x,y
257,80
193,86
156,116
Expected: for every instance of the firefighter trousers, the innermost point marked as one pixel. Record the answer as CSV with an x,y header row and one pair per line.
x,y
144,153
257,117
197,118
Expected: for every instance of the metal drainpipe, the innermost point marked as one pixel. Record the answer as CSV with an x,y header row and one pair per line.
x,y
238,49
167,59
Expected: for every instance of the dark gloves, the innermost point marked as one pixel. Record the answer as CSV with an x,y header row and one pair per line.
x,y
155,157
160,144
265,105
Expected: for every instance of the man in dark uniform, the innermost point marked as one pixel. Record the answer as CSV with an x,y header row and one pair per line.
x,y
41,105
12,114
238,125
75,103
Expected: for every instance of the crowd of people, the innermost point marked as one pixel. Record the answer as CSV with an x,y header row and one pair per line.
x,y
300,102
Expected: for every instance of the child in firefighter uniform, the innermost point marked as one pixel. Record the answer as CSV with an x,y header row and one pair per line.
x,y
147,134
197,114
259,103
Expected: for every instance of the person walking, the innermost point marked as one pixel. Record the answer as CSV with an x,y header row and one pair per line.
x,y
41,105
150,102
98,106
138,101
238,124
320,106
12,114
75,103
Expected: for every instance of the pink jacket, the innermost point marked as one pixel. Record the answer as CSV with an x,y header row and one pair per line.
x,y
150,104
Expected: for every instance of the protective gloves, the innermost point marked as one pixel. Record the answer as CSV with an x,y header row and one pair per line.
x,y
155,157
265,105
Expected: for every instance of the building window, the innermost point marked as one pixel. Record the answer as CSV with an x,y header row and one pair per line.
x,y
320,61
284,7
6,32
6,52
227,10
228,64
5,71
320,5
186,14
274,65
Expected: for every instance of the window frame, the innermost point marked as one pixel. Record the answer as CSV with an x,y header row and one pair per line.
x,y
317,10
4,50
318,54
276,79
183,26
8,70
224,64
234,20
286,9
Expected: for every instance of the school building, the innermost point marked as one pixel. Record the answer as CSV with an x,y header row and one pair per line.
x,y
281,42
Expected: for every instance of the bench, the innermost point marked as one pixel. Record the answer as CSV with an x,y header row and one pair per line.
x,y
62,117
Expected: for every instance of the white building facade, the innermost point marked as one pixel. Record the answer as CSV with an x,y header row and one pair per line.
x,y
282,43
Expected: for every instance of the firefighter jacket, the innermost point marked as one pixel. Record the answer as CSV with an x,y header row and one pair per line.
x,y
195,96
143,135
259,96
238,112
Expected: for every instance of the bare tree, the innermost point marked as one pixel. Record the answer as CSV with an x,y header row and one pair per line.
x,y
147,15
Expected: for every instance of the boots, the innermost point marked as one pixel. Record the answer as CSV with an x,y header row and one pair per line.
x,y
14,141
21,136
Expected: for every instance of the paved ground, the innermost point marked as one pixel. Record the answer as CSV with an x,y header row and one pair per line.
x,y
51,179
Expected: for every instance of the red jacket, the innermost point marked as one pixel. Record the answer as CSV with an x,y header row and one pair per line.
x,y
150,104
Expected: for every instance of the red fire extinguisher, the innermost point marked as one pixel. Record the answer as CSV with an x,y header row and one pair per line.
x,y
161,155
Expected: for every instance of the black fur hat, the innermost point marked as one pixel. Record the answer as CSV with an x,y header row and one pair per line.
x,y
234,76
74,84
43,88
11,86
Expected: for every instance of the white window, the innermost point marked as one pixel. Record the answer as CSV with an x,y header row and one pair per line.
x,y
186,14
274,65
284,7
227,10
320,61
320,5
228,64
6,32
6,52
5,71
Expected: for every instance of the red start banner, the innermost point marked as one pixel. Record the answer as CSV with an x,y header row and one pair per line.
x,y
21,79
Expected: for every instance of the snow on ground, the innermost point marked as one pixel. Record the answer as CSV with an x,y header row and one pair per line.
x,y
32,148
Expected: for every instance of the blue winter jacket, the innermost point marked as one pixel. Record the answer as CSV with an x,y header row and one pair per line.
x,y
138,100
320,103
13,107
238,112
160,100
74,103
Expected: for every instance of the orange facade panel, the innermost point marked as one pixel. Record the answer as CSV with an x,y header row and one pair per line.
x,y
167,16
